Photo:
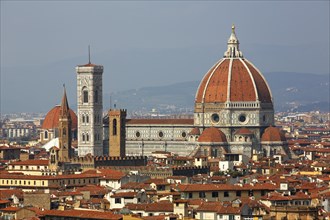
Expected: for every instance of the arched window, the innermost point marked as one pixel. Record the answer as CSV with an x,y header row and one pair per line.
x,y
87,119
83,118
83,137
96,96
46,134
87,137
114,127
85,95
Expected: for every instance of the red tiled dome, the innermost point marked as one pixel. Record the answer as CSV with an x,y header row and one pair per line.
x,y
235,80
195,131
212,134
273,134
243,131
52,119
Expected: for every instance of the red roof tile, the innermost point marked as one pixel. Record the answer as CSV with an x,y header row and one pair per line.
x,y
31,162
52,119
273,134
212,134
245,82
83,214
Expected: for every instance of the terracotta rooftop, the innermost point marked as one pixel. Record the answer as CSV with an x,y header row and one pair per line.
x,y
273,134
235,80
83,214
10,209
31,162
195,131
124,195
243,131
6,194
212,134
51,120
152,207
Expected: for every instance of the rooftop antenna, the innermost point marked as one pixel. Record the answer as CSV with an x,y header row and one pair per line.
x,y
110,101
89,54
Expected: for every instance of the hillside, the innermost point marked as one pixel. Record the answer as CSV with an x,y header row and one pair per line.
x,y
299,91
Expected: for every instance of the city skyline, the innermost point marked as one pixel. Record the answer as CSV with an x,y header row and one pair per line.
x,y
154,43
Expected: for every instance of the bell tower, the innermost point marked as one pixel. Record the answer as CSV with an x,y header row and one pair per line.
x,y
90,107
117,132
65,133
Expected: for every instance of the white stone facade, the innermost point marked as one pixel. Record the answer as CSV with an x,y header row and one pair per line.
x,y
143,139
90,107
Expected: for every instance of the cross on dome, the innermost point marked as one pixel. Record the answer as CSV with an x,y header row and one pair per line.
x,y
233,46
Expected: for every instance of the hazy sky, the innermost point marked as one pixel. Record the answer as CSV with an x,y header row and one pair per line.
x,y
144,43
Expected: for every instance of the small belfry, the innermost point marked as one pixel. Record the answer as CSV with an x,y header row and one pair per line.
x,y
233,46
65,135
117,132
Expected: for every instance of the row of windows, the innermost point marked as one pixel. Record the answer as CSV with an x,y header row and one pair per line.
x,y
160,134
28,167
22,181
86,137
34,183
78,181
85,119
225,194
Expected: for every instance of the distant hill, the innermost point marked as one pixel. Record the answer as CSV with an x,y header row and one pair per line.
x,y
291,91
38,87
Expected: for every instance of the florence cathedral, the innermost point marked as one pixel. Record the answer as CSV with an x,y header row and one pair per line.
x,y
233,116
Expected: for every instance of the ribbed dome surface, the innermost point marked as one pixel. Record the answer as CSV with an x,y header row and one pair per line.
x,y
233,80
52,119
273,134
243,131
212,134
195,131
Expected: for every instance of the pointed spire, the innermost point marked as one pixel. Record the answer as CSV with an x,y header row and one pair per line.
x,y
89,54
233,45
64,104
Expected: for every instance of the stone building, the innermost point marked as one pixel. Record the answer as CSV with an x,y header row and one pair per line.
x,y
233,98
90,107
233,108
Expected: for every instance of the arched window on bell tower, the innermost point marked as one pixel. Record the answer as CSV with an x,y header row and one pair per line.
x,y
114,127
84,95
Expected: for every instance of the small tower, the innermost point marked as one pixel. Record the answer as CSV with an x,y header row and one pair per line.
x,y
90,107
65,135
117,132
233,46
